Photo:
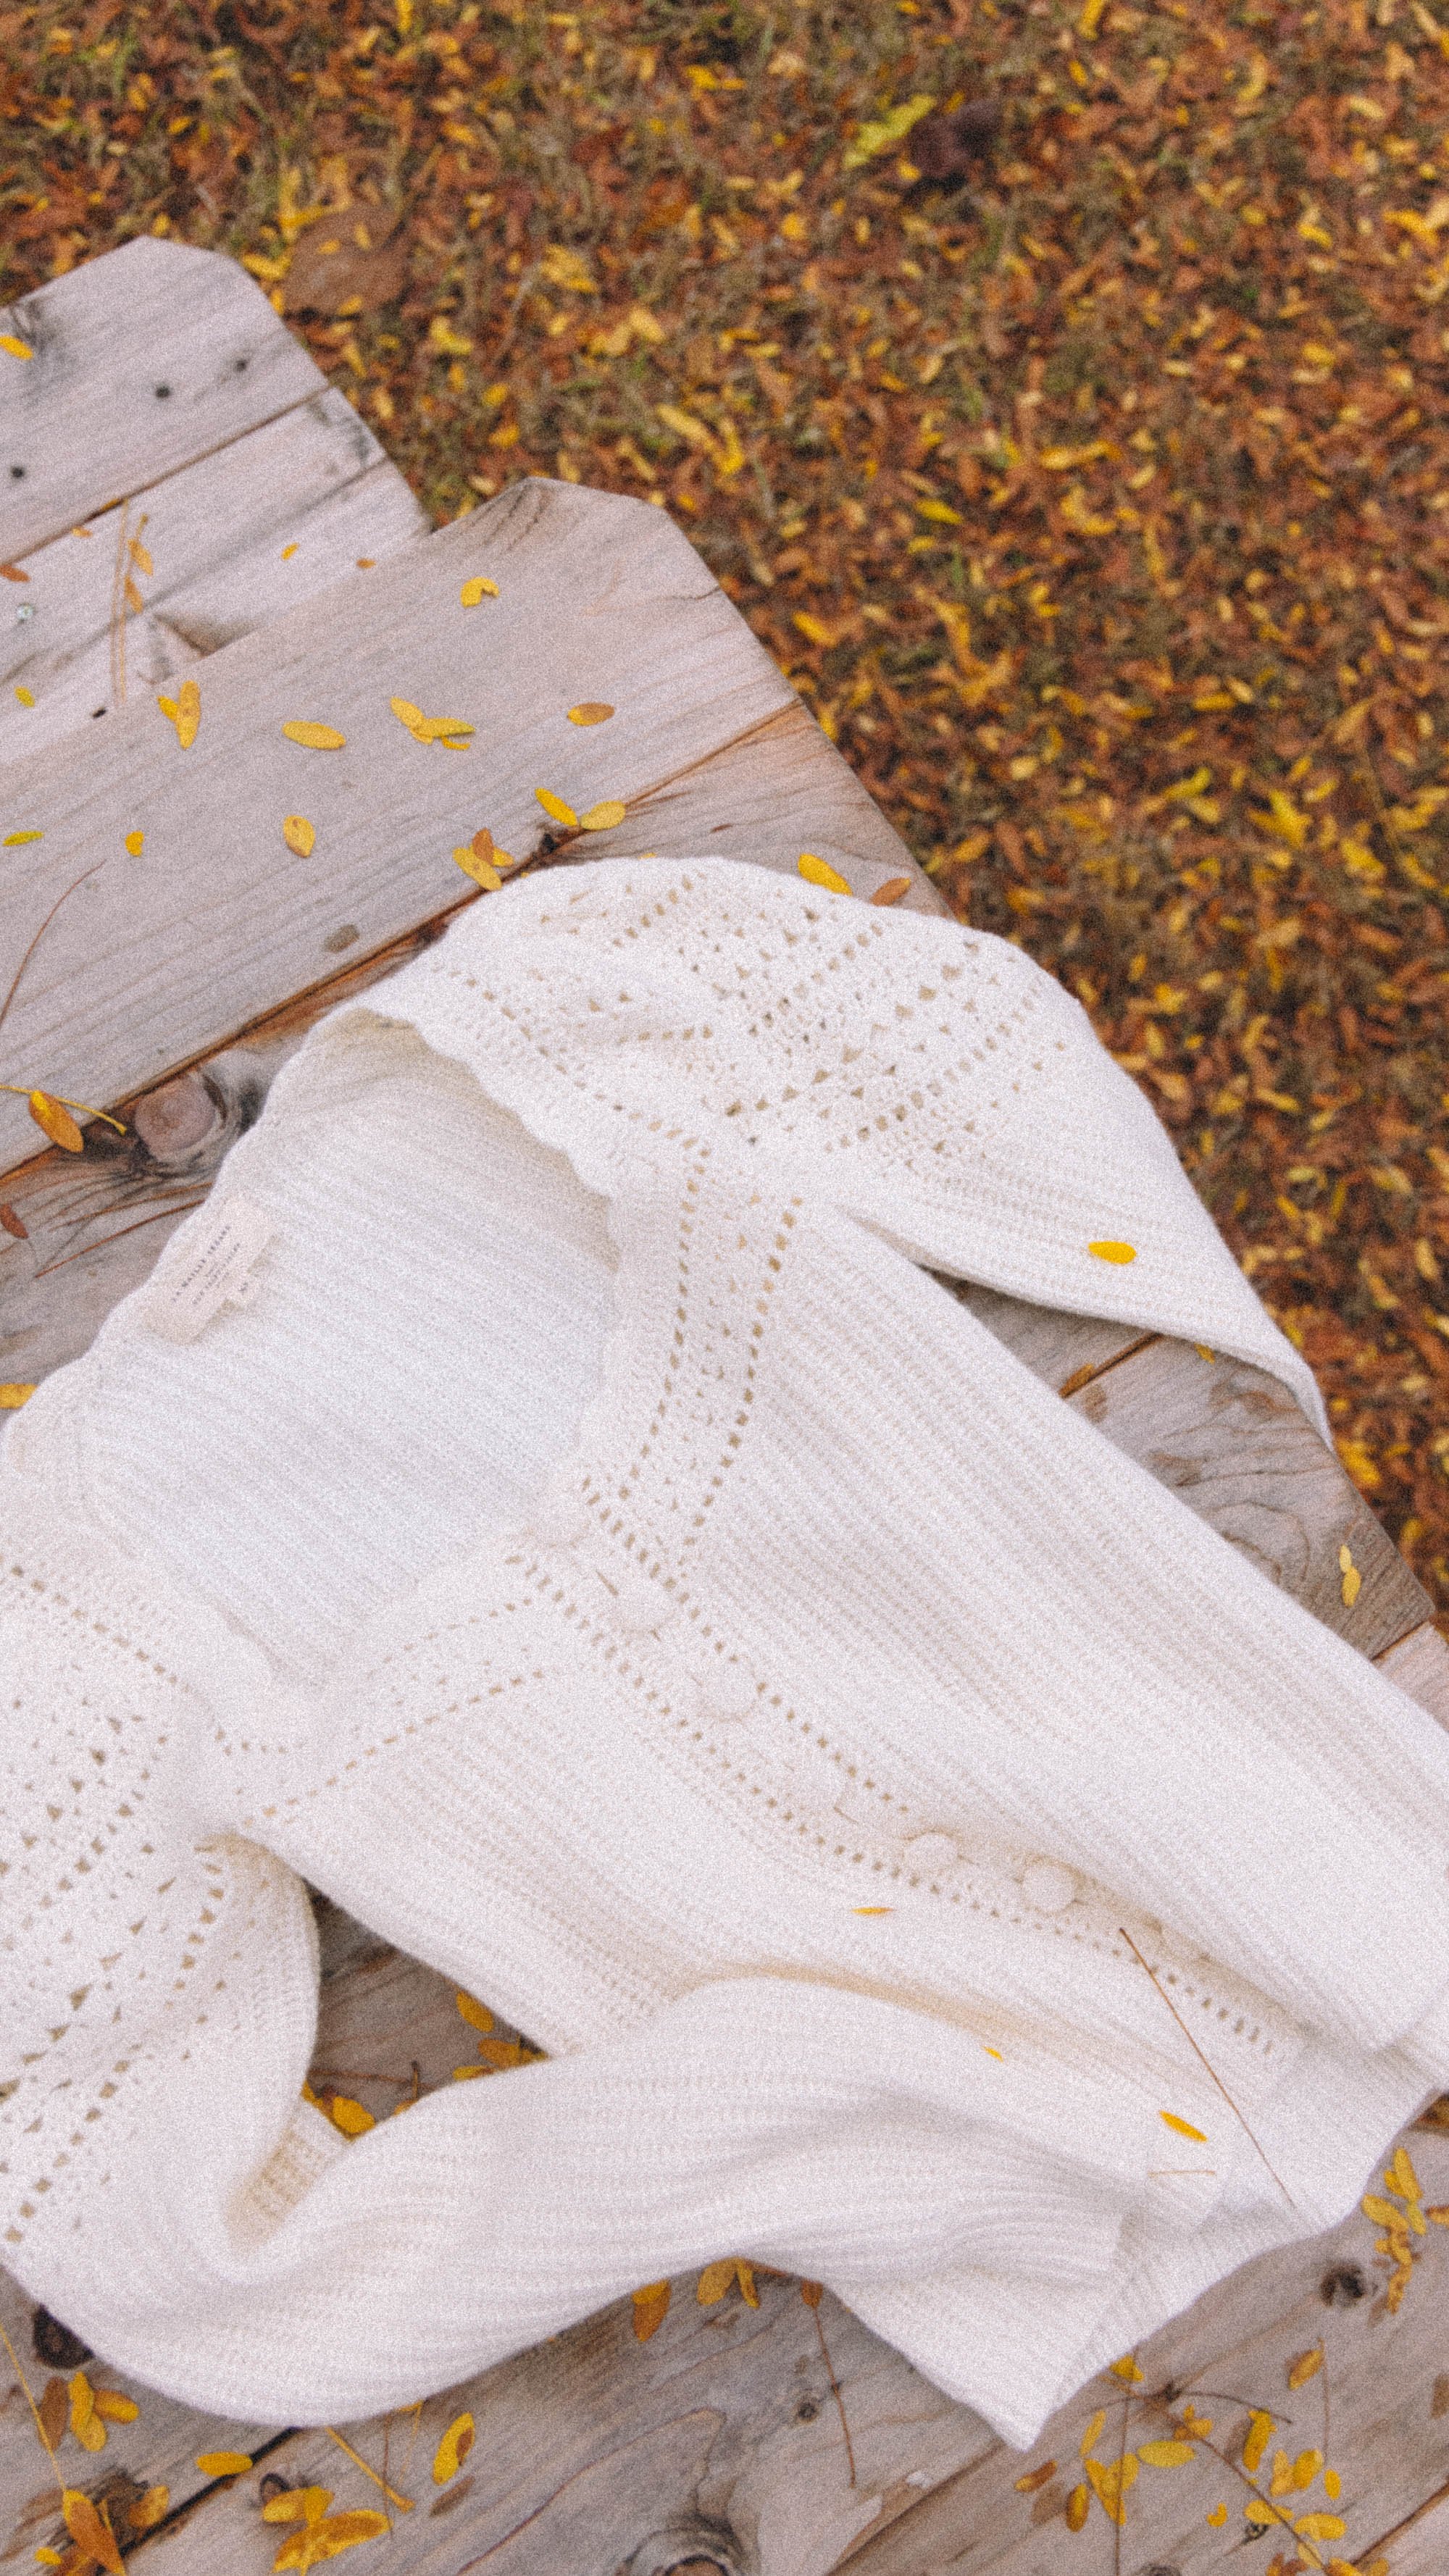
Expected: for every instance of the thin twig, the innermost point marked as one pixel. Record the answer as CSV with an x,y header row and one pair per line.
x,y
404,2503
835,2392
34,2409
1206,2062
40,934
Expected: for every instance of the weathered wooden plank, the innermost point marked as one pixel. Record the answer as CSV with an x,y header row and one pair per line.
x,y
1382,2392
143,361
159,958
235,541
1419,1663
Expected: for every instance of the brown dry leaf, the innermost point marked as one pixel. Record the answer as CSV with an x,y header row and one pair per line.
x,y
590,711
299,834
12,572
1305,2366
314,737
331,269
54,2410
819,872
55,1120
453,2449
1035,2478
651,2307
812,2292
892,890
91,2532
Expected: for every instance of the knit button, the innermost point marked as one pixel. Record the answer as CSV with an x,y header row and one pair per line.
x,y
932,1851
1048,1885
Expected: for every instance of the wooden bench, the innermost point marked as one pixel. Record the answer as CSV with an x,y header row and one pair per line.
x,y
186,497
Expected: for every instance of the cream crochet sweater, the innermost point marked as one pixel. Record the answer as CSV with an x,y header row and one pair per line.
x,y
590,1546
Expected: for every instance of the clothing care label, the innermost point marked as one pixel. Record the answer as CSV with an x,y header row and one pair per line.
x,y
216,1268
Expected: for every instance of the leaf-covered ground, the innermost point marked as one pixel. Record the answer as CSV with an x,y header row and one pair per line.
x,y
1098,507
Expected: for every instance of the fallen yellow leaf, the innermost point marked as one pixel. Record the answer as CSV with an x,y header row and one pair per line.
x,y
480,587
299,834
453,2449
716,2278
591,711
1320,2526
15,348
297,2504
1090,2435
184,711
1305,2366
223,2464
116,2408
1218,2516
556,810
1256,2442
25,696
13,1395
314,737
651,2307
1184,2128
482,871
1114,1252
289,551
604,817
135,843
56,1122
477,2016
349,2116
89,2431
819,872
90,2531
1126,2369
1166,2455
1110,2481
15,840
150,2508
1079,2505
1401,2177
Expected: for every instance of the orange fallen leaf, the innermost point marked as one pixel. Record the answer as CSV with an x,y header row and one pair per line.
x,y
819,872
314,737
13,572
1113,1252
651,2307
453,2449
480,587
892,890
140,556
289,551
90,2532
134,601
590,711
328,2538
1217,2516
1110,2481
297,2504
55,1120
812,2292
1035,2478
299,834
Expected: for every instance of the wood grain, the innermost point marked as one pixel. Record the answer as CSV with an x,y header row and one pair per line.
x,y
235,540
143,361
1389,2447
160,958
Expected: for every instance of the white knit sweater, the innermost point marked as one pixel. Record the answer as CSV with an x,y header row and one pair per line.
x,y
600,1556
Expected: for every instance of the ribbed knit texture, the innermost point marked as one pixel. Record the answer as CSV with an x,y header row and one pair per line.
x,y
604,1560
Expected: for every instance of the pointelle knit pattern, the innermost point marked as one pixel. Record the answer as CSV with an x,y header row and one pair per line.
x,y
600,1555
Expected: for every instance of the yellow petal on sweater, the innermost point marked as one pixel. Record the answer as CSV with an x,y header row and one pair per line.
x,y
314,737
819,872
299,834
453,2450
90,2531
604,817
1108,1251
1183,2128
651,2307
480,587
223,2464
556,810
